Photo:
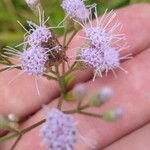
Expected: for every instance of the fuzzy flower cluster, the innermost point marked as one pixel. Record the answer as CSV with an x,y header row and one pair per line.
x,y
38,47
75,9
33,60
39,36
59,131
97,37
101,54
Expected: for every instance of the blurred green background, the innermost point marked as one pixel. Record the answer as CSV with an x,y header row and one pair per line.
x,y
12,10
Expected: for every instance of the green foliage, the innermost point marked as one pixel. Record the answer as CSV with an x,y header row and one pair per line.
x,y
12,10
139,1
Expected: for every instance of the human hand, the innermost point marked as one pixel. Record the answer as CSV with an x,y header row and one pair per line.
x,y
131,93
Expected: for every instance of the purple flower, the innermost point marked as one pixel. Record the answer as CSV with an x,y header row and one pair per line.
x,y
104,32
111,59
101,59
75,9
33,61
97,37
59,131
39,36
93,58
103,44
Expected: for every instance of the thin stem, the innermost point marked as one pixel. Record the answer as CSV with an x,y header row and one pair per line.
x,y
71,38
77,109
62,86
16,142
33,126
6,60
64,43
90,114
8,137
51,71
49,76
3,69
71,69
65,37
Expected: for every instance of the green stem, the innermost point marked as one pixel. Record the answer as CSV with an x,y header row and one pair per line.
x,y
9,137
65,37
71,69
64,43
77,109
90,114
8,67
62,86
71,38
6,60
49,76
33,126
16,142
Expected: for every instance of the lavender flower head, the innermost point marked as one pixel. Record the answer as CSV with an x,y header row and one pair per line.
x,y
33,61
32,3
59,131
102,52
97,37
111,59
92,58
104,32
101,60
75,9
39,36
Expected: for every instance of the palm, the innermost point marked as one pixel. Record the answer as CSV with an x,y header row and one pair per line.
x,y
131,93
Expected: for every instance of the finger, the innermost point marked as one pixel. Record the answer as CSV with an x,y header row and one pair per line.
x,y
138,140
132,96
24,95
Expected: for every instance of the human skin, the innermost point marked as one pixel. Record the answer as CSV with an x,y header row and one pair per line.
x,y
131,93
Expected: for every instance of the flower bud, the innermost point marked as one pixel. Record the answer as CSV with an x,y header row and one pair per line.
x,y
32,3
102,96
9,122
12,117
80,91
112,114
105,94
